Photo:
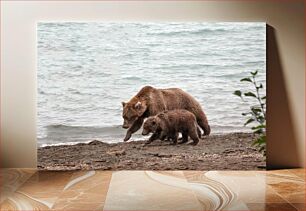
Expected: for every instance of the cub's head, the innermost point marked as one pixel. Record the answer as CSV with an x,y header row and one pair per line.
x,y
132,111
151,125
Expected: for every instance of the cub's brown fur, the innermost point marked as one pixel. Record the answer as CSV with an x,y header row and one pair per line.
x,y
170,123
150,101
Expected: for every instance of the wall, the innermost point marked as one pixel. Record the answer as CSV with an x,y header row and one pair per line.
x,y
285,74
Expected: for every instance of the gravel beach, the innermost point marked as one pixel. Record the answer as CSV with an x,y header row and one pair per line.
x,y
232,151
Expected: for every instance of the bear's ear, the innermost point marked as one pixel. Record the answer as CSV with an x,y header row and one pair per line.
x,y
123,104
140,108
138,105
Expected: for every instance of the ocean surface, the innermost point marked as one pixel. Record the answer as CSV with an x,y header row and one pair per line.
x,y
86,69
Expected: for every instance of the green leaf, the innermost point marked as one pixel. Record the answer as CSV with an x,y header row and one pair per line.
x,y
238,93
256,110
250,94
261,120
259,87
249,121
246,79
244,114
259,127
260,140
262,148
254,73
259,131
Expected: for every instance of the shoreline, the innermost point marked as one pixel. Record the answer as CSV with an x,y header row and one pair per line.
x,y
107,141
73,138
230,151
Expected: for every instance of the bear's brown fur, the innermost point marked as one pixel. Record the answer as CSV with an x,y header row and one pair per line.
x,y
150,101
170,123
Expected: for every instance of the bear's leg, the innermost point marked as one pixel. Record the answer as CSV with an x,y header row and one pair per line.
x,y
198,131
203,123
136,125
184,138
155,136
194,136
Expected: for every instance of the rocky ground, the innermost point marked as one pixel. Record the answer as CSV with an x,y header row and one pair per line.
x,y
216,152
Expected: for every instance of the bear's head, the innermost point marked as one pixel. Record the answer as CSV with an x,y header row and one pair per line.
x,y
151,125
132,111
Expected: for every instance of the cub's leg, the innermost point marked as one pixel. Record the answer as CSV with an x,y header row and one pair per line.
x,y
184,137
155,136
162,137
175,136
136,125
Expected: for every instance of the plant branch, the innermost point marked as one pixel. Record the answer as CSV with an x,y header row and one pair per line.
x,y
258,97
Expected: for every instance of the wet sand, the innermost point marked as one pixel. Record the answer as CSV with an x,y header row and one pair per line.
x,y
231,151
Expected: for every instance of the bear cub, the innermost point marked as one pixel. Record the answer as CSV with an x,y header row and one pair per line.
x,y
170,123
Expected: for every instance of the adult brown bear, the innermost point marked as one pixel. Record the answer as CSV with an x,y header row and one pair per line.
x,y
150,101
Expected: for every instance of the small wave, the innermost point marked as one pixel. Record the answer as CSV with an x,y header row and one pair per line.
x,y
133,78
109,140
69,127
254,63
184,67
187,32
63,143
58,131
230,75
59,134
73,91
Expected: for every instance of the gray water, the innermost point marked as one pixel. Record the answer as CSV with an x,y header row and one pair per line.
x,y
86,69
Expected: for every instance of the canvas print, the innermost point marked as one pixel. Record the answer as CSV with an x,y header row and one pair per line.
x,y
151,95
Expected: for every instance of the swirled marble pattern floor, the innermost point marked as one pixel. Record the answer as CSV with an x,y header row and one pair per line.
x,y
28,189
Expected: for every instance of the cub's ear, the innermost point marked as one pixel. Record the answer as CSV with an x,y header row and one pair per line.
x,y
123,104
161,115
138,105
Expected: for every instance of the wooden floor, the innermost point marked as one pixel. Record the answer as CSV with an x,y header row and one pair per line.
x,y
28,189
